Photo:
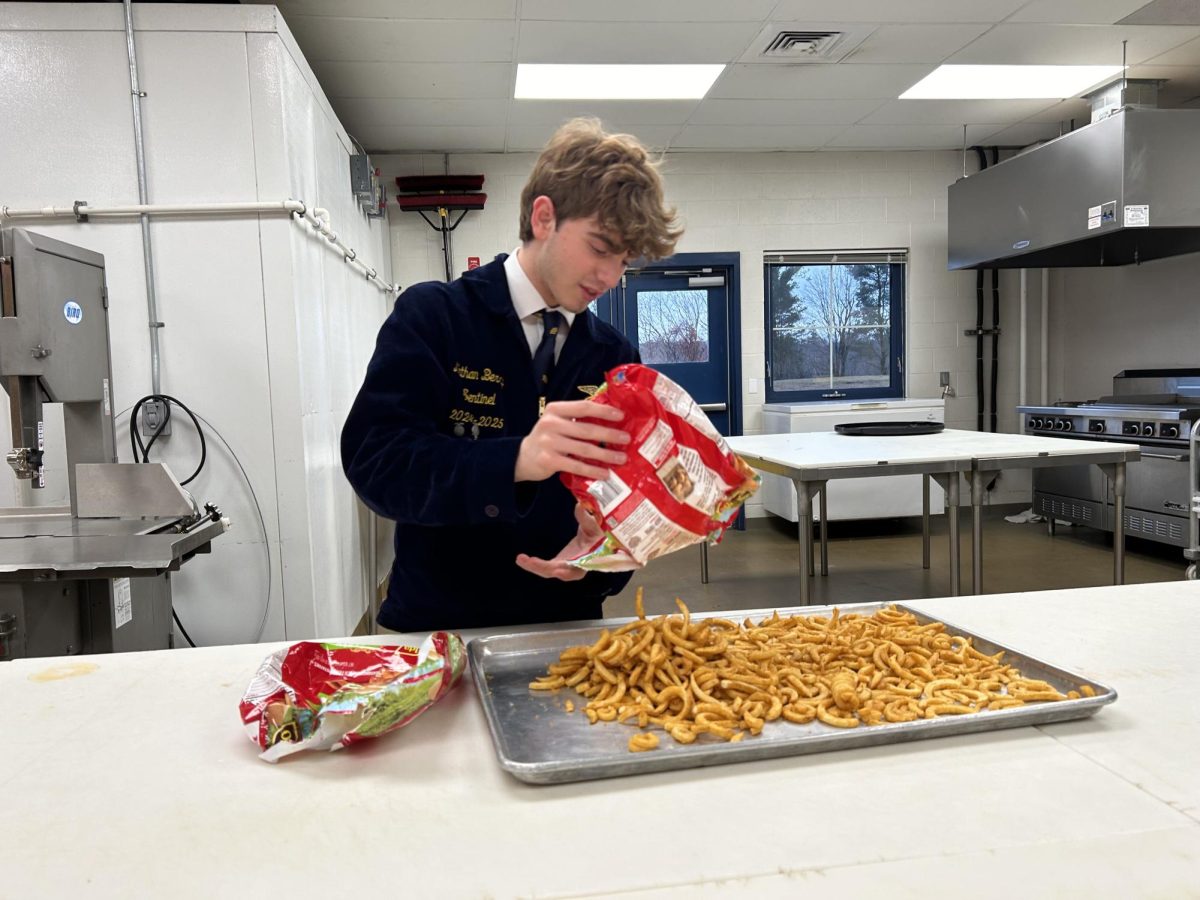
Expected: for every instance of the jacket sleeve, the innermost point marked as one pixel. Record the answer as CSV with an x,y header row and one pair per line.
x,y
393,454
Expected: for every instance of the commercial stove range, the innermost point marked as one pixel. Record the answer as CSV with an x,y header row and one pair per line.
x,y
1153,408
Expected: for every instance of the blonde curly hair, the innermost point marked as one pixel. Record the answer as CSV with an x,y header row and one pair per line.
x,y
585,171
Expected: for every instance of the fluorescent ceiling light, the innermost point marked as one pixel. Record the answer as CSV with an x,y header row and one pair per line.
x,y
1008,82
614,82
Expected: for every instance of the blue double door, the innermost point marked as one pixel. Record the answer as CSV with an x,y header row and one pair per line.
x,y
681,317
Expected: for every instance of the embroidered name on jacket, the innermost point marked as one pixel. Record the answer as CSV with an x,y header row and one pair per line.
x,y
479,397
468,374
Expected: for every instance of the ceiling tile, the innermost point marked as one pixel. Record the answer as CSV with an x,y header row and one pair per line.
x,y
715,111
637,112
639,42
641,11
817,82
434,139
908,11
1076,12
915,43
359,112
534,137
955,112
395,9
1166,12
1071,44
909,137
377,79
1184,55
754,137
385,40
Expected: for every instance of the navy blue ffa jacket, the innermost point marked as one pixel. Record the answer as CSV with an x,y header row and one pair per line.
x,y
432,442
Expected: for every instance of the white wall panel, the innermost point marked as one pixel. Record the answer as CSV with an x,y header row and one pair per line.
x,y
267,330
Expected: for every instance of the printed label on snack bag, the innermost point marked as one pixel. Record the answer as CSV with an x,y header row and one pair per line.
x,y
658,443
706,489
647,533
609,493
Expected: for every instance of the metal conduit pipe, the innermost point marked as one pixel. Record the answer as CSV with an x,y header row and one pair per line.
x,y
995,323
147,248
1045,337
1023,340
995,341
979,275
317,218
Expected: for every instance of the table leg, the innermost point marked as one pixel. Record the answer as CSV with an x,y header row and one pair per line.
x,y
824,531
976,531
925,521
704,561
804,519
955,561
1050,523
1118,480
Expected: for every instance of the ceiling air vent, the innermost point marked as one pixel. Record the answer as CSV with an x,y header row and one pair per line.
x,y
811,44
791,43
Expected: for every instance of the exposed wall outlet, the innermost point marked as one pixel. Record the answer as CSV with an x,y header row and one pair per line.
x,y
751,385
154,413
944,379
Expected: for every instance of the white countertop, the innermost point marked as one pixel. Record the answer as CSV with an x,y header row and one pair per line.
x,y
828,449
136,779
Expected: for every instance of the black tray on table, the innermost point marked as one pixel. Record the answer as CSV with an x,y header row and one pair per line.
x,y
888,428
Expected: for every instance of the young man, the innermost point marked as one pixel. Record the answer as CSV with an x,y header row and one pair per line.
x,y
474,400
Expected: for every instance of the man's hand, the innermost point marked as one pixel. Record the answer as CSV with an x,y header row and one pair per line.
x,y
587,535
561,443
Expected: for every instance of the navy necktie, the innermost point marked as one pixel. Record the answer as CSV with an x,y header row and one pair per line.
x,y
543,357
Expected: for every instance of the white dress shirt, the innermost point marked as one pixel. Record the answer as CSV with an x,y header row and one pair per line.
x,y
528,303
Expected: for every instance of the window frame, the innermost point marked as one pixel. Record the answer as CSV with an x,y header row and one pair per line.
x,y
897,260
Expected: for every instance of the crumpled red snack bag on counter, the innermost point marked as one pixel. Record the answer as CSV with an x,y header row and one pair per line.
x,y
317,696
680,485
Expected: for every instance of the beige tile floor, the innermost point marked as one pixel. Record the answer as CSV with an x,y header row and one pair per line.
x,y
881,560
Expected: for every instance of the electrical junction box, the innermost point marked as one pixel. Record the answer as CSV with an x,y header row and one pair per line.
x,y
365,185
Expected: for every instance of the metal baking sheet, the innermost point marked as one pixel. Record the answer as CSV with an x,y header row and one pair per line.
x,y
537,741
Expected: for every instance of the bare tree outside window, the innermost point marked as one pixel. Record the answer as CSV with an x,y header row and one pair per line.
x,y
672,326
830,326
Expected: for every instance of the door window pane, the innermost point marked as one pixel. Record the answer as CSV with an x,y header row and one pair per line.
x,y
833,329
672,326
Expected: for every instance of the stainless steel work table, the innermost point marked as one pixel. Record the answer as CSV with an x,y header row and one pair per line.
x,y
129,775
810,460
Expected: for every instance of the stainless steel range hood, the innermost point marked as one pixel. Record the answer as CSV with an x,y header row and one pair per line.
x,y
1122,190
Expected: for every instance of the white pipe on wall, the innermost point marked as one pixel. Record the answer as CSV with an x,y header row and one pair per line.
x,y
317,218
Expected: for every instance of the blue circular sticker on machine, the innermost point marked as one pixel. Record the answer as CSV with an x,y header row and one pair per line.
x,y
73,312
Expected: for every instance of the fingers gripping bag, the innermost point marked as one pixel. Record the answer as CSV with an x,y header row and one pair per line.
x,y
317,696
681,484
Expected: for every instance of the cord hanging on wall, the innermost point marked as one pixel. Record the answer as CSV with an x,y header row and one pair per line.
x,y
443,195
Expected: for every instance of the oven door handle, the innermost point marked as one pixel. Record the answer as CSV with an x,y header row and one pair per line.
x,y
1177,457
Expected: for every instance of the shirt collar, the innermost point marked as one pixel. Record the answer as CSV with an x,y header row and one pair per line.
x,y
525,297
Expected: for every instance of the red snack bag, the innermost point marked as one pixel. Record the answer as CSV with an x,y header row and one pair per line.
x,y
680,485
316,696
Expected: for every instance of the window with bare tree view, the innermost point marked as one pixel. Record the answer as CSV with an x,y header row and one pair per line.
x,y
834,328
672,326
